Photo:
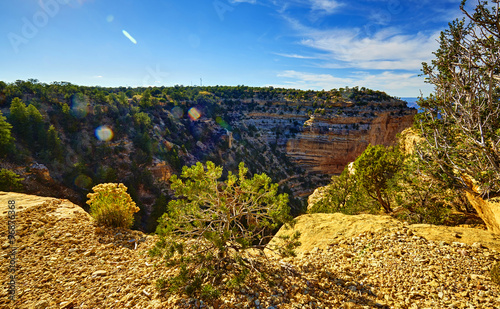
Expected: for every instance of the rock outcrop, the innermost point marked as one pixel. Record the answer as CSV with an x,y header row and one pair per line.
x,y
324,149
488,210
324,230
326,141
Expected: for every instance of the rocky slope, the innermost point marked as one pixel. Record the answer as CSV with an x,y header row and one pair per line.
x,y
325,141
64,261
81,136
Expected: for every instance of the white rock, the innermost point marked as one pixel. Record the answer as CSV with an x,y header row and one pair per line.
x,y
99,273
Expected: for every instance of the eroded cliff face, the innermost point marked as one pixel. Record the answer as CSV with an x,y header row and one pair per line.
x,y
324,142
330,151
298,138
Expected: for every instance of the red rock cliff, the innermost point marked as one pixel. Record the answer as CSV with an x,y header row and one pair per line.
x,y
327,140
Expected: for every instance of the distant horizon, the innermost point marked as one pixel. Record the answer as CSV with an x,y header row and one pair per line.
x,y
299,44
197,85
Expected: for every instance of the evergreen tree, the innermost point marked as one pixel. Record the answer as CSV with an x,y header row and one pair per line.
x,y
6,138
146,99
18,114
460,121
10,181
54,143
374,169
213,223
35,128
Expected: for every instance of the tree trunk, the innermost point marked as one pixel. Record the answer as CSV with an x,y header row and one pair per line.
x,y
385,205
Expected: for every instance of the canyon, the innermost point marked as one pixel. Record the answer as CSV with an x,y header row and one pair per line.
x,y
324,142
298,138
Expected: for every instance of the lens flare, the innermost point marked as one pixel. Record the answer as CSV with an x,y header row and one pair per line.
x,y
194,114
104,133
222,123
110,18
131,38
83,181
79,106
177,112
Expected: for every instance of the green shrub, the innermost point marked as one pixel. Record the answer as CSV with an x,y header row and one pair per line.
x,y
216,228
209,292
384,178
111,205
10,181
374,171
424,198
344,195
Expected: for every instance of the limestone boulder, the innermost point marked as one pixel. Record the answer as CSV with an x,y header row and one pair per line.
x,y
488,210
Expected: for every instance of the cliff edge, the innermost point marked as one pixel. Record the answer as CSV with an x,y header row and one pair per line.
x,y
64,261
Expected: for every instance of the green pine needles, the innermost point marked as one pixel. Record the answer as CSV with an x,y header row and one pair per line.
x,y
215,228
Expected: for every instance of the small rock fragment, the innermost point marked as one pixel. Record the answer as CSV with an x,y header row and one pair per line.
x,y
41,304
99,273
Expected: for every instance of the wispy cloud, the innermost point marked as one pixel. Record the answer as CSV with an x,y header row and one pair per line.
x,y
321,7
305,80
395,83
296,56
328,6
386,49
243,1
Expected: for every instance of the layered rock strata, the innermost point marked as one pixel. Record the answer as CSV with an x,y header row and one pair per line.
x,y
324,142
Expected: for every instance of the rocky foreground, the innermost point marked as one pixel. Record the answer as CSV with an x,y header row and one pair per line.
x,y
65,261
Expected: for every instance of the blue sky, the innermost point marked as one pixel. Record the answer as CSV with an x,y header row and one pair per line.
x,y
305,44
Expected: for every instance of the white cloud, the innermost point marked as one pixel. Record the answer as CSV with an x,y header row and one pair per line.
x,y
378,54
396,84
304,80
384,49
296,56
329,6
317,7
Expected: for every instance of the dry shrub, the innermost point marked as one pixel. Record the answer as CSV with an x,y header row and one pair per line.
x,y
111,205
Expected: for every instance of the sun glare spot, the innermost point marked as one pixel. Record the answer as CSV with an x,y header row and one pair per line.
x,y
222,123
177,112
194,114
110,18
104,133
79,106
131,38
83,181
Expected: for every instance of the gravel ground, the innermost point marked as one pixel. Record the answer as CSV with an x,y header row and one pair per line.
x,y
67,262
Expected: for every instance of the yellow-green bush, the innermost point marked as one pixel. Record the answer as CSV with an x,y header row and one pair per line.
x,y
111,205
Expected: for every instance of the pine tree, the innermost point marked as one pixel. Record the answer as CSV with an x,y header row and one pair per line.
x,y
374,169
6,138
18,114
460,121
10,181
35,127
54,143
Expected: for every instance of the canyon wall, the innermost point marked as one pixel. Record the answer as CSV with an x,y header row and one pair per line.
x,y
327,140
